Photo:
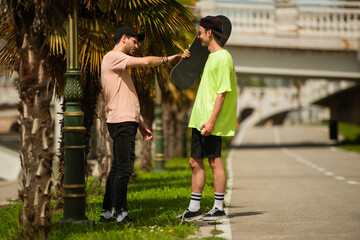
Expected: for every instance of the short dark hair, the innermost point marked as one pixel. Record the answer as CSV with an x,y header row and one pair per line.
x,y
128,32
118,39
215,35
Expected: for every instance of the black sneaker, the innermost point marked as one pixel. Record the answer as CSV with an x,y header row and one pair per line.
x,y
103,219
106,220
190,216
214,214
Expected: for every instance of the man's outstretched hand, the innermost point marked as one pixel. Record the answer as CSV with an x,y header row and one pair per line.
x,y
173,60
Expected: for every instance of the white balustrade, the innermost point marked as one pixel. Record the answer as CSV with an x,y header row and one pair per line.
x,y
329,19
329,22
313,18
248,17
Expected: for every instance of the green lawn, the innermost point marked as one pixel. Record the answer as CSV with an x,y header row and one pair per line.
x,y
351,134
154,202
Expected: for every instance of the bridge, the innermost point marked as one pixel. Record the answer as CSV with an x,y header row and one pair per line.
x,y
294,39
276,105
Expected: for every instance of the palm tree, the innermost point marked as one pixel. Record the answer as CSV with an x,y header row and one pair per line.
x,y
160,21
26,27
35,47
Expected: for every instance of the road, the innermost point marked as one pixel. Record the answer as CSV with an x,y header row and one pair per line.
x,y
290,183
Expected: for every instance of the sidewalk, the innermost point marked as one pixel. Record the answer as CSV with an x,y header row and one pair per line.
x,y
291,183
8,190
10,164
9,172
221,228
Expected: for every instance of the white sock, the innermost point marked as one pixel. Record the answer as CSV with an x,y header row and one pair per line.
x,y
195,202
219,200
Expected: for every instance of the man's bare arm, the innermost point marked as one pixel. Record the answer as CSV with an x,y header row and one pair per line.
x,y
209,125
151,61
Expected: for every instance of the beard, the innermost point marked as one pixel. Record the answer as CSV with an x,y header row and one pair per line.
x,y
130,51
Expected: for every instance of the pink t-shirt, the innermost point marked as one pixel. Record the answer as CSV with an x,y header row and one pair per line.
x,y
118,88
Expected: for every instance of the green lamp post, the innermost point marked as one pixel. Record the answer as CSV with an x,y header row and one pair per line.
x,y
74,179
159,134
184,135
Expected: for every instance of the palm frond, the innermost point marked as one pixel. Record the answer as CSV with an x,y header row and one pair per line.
x,y
58,41
95,42
8,53
159,19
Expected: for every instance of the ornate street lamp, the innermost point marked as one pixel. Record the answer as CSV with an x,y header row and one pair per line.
x,y
159,134
74,179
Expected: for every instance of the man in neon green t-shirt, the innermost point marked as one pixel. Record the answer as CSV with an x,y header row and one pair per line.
x,y
213,116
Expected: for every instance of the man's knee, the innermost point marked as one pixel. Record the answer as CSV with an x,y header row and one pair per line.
x,y
196,163
122,172
122,178
215,163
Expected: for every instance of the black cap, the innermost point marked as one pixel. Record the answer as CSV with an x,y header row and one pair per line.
x,y
213,23
128,32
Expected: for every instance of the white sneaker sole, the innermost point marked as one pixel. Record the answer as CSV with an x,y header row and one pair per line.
x,y
193,219
213,218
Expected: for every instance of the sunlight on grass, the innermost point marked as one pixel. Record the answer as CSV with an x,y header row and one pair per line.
x,y
9,217
154,201
351,134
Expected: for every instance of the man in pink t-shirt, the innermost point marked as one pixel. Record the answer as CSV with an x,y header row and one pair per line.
x,y
123,117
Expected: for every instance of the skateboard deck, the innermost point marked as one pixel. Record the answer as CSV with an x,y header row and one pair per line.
x,y
187,70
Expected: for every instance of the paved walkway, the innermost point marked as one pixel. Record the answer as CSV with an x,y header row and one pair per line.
x,y
8,190
10,164
290,183
9,171
285,183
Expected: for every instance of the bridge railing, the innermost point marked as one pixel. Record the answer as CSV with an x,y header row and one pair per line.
x,y
313,18
250,17
331,19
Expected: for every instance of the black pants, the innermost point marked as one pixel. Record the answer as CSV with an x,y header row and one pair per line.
x,y
123,135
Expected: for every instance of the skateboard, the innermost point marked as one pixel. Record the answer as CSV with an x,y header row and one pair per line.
x,y
187,70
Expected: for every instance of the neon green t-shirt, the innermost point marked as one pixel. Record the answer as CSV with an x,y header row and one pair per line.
x,y
217,77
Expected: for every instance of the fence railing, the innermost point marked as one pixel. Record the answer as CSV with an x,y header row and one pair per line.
x,y
338,19
335,18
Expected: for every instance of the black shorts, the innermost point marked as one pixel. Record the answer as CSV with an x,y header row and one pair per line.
x,y
205,147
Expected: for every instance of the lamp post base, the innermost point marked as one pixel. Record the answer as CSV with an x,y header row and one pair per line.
x,y
76,220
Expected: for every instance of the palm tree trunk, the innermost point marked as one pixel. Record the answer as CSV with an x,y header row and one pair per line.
x,y
146,156
88,106
173,130
104,158
147,104
35,84
59,190
36,136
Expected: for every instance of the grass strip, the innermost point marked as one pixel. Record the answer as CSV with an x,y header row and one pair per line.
x,y
351,134
154,201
